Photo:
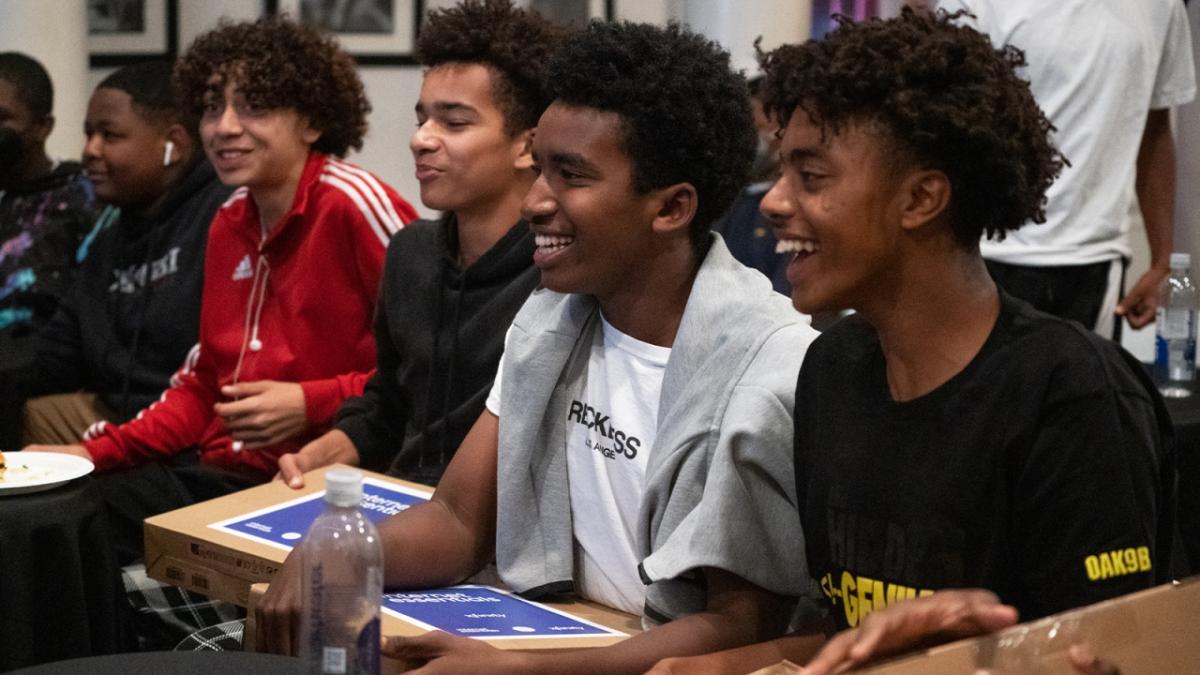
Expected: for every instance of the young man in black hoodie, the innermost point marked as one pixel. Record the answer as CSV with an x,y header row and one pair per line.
x,y
451,287
132,315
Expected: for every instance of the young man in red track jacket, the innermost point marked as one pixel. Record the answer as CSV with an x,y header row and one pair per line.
x,y
291,274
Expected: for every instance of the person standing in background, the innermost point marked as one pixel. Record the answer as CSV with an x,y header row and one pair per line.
x,y
1108,92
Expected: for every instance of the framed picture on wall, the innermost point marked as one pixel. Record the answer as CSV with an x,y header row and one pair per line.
x,y
375,32
121,32
574,11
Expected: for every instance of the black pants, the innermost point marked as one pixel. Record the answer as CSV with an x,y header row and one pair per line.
x,y
1074,292
130,496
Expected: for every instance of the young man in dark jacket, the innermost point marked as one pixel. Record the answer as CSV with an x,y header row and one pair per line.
x,y
451,287
133,314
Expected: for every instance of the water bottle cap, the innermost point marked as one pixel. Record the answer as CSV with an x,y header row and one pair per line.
x,y
343,487
1181,260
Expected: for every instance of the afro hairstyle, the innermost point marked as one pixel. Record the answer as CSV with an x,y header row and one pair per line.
x,y
943,97
278,63
514,43
685,114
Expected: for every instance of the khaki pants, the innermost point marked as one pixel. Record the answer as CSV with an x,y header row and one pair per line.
x,y
61,419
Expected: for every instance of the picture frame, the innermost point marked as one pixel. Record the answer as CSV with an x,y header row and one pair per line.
x,y
374,32
121,32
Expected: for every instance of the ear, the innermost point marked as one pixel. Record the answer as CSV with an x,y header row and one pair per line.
x,y
43,127
308,133
522,145
178,135
924,197
676,208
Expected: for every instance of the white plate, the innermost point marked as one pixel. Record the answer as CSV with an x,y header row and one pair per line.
x,y
34,471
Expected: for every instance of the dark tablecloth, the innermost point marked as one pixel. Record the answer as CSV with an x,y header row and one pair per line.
x,y
175,663
59,580
16,361
1185,416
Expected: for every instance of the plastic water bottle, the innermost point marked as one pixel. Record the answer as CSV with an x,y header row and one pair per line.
x,y
342,583
1175,331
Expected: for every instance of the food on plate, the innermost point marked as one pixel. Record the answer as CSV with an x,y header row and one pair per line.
x,y
2,465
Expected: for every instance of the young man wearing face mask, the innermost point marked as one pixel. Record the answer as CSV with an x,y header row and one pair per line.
x,y
45,211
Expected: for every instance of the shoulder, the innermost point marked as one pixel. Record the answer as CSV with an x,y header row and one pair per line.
x,y
1070,360
361,193
417,245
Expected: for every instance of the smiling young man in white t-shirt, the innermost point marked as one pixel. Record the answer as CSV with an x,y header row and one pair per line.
x,y
636,450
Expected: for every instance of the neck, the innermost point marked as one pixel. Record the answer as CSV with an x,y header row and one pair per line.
x,y
275,201
479,228
935,320
171,178
649,304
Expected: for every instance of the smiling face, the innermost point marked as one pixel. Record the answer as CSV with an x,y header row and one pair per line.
x,y
593,229
259,148
123,150
465,160
837,209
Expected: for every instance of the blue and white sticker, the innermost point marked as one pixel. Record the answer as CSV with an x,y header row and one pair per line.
x,y
487,612
284,525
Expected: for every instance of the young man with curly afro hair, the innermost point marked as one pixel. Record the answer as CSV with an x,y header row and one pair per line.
x,y
644,394
292,269
947,434
451,286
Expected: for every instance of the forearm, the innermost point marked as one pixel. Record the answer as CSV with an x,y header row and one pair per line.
x,y
1156,186
692,635
426,546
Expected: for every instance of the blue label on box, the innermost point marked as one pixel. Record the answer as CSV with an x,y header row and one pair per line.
x,y
486,612
284,525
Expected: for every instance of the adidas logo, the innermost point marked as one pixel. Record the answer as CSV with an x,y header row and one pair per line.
x,y
244,269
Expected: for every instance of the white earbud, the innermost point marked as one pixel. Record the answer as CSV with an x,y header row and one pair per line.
x,y
167,150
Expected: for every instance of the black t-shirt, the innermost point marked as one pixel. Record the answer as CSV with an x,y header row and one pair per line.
x,y
1042,471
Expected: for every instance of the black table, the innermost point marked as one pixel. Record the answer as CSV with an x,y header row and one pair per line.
x,y
176,663
1185,416
60,586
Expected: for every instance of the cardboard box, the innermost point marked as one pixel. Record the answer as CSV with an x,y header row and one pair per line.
x,y
1156,631
184,549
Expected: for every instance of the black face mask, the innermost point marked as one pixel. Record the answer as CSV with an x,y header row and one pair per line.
x,y
12,151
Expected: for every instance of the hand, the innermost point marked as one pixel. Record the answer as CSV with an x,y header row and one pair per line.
x,y
1141,302
1086,663
263,413
277,614
332,448
76,449
943,616
439,652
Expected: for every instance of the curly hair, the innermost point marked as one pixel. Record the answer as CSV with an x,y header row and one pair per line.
x,y
278,63
515,43
943,97
685,113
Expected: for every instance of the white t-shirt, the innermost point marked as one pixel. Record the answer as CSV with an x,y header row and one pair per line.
x,y
611,431
1096,67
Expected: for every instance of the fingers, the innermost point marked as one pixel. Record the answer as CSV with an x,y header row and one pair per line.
x,y
242,389
1086,663
278,613
415,649
290,471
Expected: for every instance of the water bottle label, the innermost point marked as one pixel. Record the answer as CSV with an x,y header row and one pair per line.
x,y
1174,324
333,661
368,647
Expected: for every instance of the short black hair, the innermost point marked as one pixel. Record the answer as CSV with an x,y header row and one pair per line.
x,y
31,80
149,87
279,63
516,43
947,99
686,114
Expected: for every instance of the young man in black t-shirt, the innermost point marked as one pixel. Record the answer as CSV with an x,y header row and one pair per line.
x,y
947,435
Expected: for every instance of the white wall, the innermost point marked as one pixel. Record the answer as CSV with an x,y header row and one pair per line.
x,y
58,40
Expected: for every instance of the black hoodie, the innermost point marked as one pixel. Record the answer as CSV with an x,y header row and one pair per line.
x,y
134,311
439,335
